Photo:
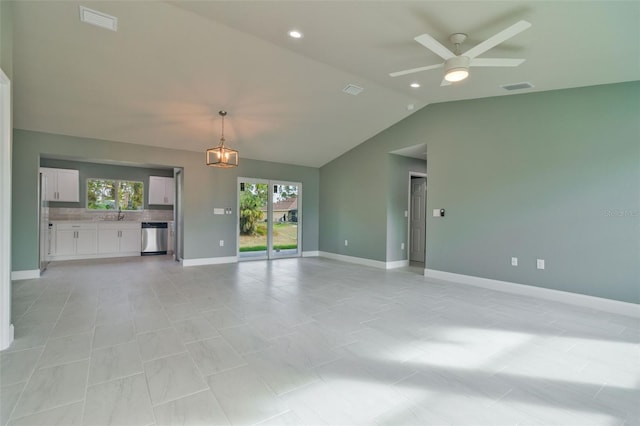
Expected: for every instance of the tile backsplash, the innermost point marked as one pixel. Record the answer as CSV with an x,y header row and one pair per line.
x,y
60,213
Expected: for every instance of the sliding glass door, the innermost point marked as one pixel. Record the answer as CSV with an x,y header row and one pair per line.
x,y
269,219
285,229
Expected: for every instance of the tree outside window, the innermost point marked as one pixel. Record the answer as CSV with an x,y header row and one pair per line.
x,y
103,193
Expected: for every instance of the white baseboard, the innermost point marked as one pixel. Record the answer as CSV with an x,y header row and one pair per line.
x,y
364,261
25,275
7,338
397,264
593,302
310,253
209,261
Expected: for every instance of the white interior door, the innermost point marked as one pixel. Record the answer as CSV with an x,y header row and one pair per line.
x,y
418,219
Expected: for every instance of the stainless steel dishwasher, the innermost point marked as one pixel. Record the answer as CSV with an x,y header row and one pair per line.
x,y
154,238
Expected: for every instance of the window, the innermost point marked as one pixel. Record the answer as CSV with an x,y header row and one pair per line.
x,y
111,194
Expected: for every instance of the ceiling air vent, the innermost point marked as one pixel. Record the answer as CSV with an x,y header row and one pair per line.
x,y
352,89
98,19
517,86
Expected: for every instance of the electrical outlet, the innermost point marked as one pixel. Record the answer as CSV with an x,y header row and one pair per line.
x,y
221,243
346,243
402,246
514,261
540,263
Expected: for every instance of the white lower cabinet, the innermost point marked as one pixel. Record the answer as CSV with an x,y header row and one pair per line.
x,y
119,238
76,239
171,237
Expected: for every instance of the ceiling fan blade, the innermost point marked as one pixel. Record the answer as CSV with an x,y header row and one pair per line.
x,y
445,82
495,62
435,46
414,70
504,35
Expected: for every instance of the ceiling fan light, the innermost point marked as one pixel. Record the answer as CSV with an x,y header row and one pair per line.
x,y
456,74
456,68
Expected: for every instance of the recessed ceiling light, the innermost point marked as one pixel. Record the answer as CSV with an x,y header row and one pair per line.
x,y
415,85
295,34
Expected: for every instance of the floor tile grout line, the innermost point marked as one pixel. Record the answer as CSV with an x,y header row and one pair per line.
x,y
45,410
288,410
165,356
115,379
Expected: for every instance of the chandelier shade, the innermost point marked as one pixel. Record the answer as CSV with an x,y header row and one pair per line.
x,y
221,156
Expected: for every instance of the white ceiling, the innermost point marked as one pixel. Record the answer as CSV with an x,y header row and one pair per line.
x,y
163,76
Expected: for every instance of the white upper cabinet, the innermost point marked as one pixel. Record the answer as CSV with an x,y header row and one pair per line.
x,y
161,190
61,184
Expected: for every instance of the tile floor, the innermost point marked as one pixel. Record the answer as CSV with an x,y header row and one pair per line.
x,y
144,341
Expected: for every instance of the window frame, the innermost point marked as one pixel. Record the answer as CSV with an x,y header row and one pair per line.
x,y
116,195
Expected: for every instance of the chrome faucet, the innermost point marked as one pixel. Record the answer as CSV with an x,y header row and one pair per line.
x,y
120,214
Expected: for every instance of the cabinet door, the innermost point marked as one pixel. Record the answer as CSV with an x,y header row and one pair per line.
x,y
108,241
87,241
170,239
130,240
65,243
169,190
68,185
51,242
156,190
51,183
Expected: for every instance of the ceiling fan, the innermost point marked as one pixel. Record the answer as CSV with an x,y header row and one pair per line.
x,y
456,65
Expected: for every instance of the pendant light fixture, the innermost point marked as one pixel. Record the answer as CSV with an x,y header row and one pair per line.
x,y
221,156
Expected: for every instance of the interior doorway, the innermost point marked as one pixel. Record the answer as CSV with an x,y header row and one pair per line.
x,y
417,219
6,328
269,219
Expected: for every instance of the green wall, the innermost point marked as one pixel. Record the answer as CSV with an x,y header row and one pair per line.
x,y
88,170
552,175
6,37
204,188
353,204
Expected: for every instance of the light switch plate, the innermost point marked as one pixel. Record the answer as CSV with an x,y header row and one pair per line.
x,y
540,263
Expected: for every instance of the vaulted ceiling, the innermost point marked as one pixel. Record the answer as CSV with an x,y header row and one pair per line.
x,y
161,79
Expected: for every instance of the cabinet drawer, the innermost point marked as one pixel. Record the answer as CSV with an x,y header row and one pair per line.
x,y
119,225
76,226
